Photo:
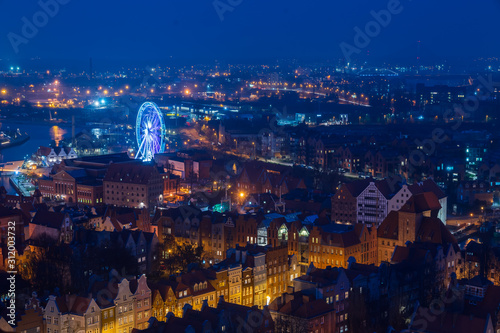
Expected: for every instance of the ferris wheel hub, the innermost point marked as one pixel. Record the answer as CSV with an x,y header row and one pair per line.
x,y
150,131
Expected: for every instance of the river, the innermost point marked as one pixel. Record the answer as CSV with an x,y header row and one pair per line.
x,y
41,134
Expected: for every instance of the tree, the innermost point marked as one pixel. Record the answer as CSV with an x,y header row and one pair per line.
x,y
105,257
100,259
47,266
181,256
358,313
289,324
164,250
397,318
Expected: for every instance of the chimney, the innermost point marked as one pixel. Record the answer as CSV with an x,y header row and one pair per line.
x,y
204,304
168,316
319,293
230,252
152,321
351,261
279,301
243,256
310,268
185,309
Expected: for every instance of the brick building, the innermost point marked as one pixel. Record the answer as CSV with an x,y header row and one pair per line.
x,y
334,244
416,220
133,185
363,201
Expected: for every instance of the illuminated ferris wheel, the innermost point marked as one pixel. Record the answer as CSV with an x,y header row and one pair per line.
x,y
150,130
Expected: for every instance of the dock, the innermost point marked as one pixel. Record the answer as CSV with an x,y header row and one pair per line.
x,y
22,185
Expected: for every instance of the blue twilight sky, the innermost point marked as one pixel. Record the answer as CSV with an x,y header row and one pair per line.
x,y
254,29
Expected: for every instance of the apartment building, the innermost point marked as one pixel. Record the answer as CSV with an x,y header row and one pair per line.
x,y
334,244
363,201
133,185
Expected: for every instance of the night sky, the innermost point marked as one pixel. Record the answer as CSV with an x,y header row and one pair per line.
x,y
254,29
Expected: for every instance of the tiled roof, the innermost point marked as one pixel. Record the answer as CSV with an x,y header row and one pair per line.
x,y
389,227
448,322
229,314
162,287
5,212
132,173
427,185
356,269
358,186
73,304
389,187
386,187
344,239
489,304
432,230
322,277
104,292
408,254
195,277
48,219
301,306
421,202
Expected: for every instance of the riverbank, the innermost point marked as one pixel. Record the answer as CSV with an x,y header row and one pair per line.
x,y
41,134
22,185
16,142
